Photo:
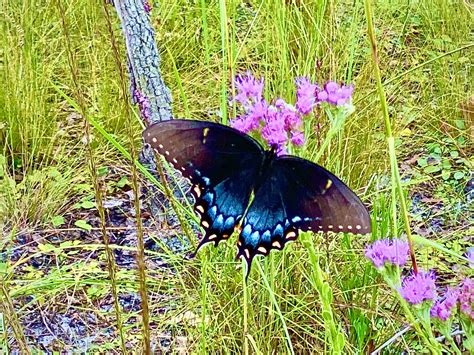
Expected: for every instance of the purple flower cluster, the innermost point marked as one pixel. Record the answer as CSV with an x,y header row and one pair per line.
x,y
143,104
306,95
392,251
336,94
442,309
249,89
419,287
281,123
464,294
466,298
309,95
147,7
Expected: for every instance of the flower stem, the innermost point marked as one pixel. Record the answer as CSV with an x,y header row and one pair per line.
x,y
333,332
336,124
245,304
388,132
454,346
429,340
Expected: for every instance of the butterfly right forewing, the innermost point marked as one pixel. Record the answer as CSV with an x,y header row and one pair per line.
x,y
318,195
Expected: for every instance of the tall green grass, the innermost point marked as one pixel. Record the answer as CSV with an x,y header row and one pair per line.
x,y
44,161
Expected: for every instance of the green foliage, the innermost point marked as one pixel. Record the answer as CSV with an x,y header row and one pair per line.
x,y
444,158
83,224
85,203
57,221
36,196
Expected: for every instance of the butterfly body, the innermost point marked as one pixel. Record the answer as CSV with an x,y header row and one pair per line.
x,y
227,167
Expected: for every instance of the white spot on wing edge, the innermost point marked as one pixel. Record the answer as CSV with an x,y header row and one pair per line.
x,y
200,208
276,244
247,253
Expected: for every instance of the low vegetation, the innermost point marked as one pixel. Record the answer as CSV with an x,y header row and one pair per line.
x,y
62,180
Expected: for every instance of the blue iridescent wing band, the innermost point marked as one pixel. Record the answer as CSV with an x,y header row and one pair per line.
x,y
297,194
221,163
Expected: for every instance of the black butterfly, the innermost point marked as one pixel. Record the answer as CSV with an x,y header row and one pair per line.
x,y
226,166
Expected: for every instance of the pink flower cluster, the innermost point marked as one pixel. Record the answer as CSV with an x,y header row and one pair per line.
x,y
147,7
466,298
443,307
421,287
464,294
143,104
391,251
281,123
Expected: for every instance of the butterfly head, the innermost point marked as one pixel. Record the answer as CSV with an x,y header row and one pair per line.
x,y
272,152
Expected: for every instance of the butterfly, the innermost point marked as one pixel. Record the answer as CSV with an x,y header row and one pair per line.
x,y
227,168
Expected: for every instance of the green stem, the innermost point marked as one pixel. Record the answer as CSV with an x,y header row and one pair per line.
x,y
336,125
224,41
430,342
453,344
203,342
205,30
277,308
111,267
388,132
7,308
335,336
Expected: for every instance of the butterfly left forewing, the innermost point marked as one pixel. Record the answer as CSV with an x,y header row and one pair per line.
x,y
220,162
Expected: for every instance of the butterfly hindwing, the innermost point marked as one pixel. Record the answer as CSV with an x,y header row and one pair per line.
x,y
298,194
221,163
221,207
